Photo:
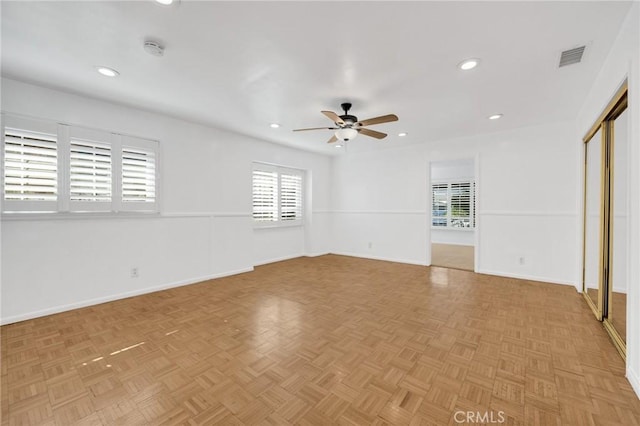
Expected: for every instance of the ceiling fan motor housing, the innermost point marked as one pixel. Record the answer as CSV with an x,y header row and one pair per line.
x,y
349,119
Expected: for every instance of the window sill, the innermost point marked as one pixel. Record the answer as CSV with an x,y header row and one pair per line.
x,y
444,228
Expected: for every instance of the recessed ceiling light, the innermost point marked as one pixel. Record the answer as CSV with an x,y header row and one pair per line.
x,y
468,64
338,145
402,134
274,125
108,72
495,116
164,2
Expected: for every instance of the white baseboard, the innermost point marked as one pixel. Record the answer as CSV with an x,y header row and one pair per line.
x,y
111,298
526,277
387,259
277,259
218,275
634,379
293,256
324,253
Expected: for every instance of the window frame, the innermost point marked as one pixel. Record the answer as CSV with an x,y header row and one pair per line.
x,y
280,171
36,126
449,216
64,205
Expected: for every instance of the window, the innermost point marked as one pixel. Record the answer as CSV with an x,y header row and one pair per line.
x,y
440,202
453,204
90,170
58,168
30,166
277,195
138,173
290,197
30,156
265,196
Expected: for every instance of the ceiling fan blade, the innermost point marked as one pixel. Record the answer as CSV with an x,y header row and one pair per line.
x,y
379,120
333,117
315,128
373,133
333,139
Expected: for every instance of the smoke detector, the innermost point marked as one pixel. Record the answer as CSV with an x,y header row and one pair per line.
x,y
153,48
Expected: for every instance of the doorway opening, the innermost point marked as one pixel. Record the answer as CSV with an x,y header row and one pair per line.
x,y
453,214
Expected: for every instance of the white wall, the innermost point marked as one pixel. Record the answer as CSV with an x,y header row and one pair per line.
x,y
455,169
527,201
380,201
449,170
623,62
460,237
204,230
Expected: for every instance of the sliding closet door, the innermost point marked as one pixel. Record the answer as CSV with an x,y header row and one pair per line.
x,y
606,222
619,230
593,223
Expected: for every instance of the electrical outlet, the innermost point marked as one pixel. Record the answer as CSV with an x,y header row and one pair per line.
x,y
134,272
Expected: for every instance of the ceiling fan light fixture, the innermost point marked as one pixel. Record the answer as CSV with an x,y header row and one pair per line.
x,y
338,145
346,134
468,64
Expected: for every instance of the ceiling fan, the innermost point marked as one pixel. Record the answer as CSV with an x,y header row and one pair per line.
x,y
348,126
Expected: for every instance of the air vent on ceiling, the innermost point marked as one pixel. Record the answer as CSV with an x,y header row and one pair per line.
x,y
571,56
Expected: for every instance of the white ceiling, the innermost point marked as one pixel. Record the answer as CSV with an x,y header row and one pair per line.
x,y
242,65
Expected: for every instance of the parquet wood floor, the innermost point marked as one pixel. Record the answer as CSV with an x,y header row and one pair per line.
x,y
321,341
452,256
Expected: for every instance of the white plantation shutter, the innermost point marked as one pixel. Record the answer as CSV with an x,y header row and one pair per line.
x,y
460,205
138,175
30,168
52,167
439,204
90,176
265,196
277,195
453,204
473,204
290,197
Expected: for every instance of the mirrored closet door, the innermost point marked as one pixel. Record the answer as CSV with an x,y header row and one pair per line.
x,y
593,223
605,250
619,222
